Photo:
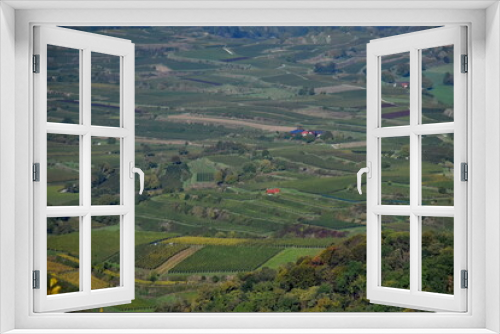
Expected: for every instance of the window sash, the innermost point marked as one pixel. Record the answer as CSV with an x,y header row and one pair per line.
x,y
87,43
413,43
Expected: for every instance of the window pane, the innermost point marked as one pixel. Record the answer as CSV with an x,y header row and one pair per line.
x,y
437,85
63,85
437,254
395,89
105,89
63,249
437,169
63,170
396,251
395,170
105,171
105,248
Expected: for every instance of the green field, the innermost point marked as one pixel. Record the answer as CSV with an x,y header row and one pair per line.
x,y
270,242
150,256
223,258
288,255
69,243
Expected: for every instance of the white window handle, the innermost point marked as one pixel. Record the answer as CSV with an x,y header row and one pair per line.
x,y
368,171
134,170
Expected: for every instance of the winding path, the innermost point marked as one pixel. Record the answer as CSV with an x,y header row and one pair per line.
x,y
177,258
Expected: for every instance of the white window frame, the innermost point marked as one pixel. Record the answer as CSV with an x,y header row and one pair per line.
x,y
85,43
413,44
484,26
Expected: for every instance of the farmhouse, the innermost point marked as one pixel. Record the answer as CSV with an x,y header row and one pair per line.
x,y
403,84
273,191
315,133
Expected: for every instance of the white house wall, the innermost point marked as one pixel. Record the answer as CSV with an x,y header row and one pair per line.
x,y
7,165
492,163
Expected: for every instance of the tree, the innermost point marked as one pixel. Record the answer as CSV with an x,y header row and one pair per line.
x,y
108,199
327,135
448,79
280,165
303,91
329,68
153,277
427,83
405,151
309,138
231,179
68,120
176,160
403,69
388,77
146,149
249,168
266,166
152,181
219,176
265,153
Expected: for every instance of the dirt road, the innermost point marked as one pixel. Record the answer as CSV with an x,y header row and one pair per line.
x,y
188,118
176,259
349,145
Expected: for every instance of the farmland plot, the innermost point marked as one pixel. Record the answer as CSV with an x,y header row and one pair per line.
x,y
226,259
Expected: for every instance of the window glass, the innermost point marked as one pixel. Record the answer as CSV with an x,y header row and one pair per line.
x,y
395,92
105,89
395,270
63,170
437,254
105,248
63,255
105,171
437,84
395,170
437,169
88,245
63,85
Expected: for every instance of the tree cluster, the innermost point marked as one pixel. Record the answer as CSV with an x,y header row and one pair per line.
x,y
332,281
326,68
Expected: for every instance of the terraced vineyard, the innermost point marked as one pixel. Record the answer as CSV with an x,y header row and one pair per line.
x,y
225,259
270,242
151,256
288,255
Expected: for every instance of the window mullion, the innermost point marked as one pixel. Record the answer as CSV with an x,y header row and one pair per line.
x,y
415,167
86,168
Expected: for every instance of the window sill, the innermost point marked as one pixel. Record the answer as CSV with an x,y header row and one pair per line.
x,y
253,331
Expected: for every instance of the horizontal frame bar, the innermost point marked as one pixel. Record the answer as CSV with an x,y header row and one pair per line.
x,y
418,210
80,130
422,129
80,211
